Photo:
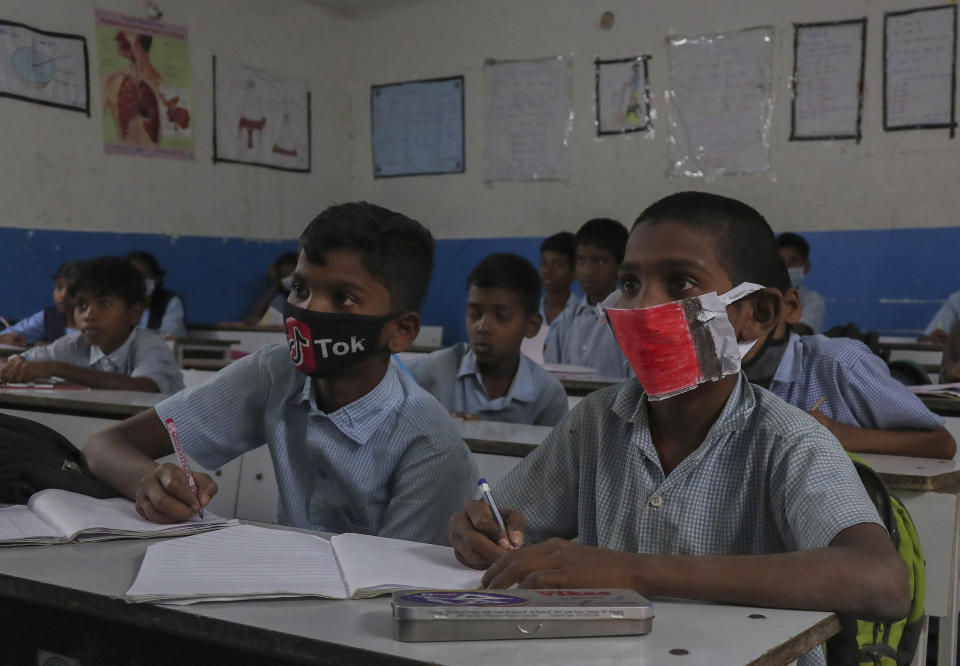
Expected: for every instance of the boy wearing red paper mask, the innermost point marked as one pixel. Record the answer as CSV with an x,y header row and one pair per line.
x,y
717,489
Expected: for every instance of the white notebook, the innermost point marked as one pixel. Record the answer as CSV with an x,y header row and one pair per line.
x,y
59,516
247,562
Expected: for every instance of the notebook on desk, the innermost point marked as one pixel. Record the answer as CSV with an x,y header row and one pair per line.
x,y
247,562
59,516
937,390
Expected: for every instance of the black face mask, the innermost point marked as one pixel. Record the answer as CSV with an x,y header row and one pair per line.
x,y
324,344
762,367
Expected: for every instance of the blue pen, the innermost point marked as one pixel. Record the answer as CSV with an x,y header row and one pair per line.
x,y
485,489
402,365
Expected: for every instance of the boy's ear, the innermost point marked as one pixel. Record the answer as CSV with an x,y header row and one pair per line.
x,y
402,331
135,313
792,307
761,313
532,327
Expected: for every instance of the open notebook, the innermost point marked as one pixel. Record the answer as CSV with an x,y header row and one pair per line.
x,y
59,516
247,562
938,390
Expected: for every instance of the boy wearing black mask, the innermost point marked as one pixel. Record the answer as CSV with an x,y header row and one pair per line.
x,y
357,446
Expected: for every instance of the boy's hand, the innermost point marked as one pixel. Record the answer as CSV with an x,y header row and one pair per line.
x,y
164,496
939,337
561,563
951,372
17,369
13,339
466,416
476,537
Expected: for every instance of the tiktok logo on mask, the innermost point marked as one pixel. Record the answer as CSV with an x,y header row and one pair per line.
x,y
300,345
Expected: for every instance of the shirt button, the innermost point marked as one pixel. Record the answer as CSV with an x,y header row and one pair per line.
x,y
656,501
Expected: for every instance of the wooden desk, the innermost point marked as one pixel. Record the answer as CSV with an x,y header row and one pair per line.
x,y
203,353
921,474
942,406
583,384
76,588
246,339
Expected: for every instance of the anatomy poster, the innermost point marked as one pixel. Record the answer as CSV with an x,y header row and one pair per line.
x,y
44,67
260,119
145,78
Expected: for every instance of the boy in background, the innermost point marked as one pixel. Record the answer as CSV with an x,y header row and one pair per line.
x,y
577,337
943,321
795,252
109,352
489,378
950,366
557,258
863,406
280,277
164,312
722,492
54,321
356,445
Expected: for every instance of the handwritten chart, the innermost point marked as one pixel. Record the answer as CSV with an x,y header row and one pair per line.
x,y
919,68
828,80
720,102
417,127
528,120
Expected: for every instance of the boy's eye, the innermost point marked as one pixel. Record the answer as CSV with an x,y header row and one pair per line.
x,y
299,289
680,283
343,298
105,303
629,285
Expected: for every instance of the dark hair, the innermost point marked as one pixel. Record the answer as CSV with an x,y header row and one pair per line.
x,y
564,243
606,234
67,271
285,258
508,271
796,242
396,250
745,243
110,276
781,278
158,299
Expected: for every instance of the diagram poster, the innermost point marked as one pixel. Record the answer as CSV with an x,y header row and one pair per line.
x,y
145,82
623,96
260,119
48,68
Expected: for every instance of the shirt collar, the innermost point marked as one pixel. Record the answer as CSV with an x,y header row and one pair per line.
x,y
360,419
791,365
521,386
117,357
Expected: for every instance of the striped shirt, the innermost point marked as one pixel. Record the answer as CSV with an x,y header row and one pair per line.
x,y
391,463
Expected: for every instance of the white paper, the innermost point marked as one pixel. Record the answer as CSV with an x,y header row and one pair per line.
x,y
623,103
528,119
533,347
38,66
919,61
829,64
720,102
18,524
417,128
261,119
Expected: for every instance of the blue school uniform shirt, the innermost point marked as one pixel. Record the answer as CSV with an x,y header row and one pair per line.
x,y
577,337
173,320
32,328
814,308
143,354
947,315
391,463
571,304
766,479
855,383
535,397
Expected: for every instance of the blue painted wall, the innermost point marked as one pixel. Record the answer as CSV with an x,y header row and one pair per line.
x,y
887,280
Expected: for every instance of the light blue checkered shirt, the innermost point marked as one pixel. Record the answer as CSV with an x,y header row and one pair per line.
x,y
767,479
391,463
576,337
535,397
571,304
143,354
855,383
814,308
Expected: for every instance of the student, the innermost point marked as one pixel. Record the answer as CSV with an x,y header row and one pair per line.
x,y
356,445
723,492
110,352
54,321
577,337
863,406
489,378
165,308
280,277
795,252
943,321
557,258
950,367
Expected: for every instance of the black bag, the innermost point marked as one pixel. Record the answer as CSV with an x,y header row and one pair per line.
x,y
34,457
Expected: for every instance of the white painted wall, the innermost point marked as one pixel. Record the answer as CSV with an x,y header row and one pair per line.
x,y
56,175
900,179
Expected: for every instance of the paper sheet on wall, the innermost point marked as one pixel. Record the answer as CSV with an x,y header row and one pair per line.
x,y
720,102
528,120
417,127
623,95
828,74
260,119
146,88
44,67
919,64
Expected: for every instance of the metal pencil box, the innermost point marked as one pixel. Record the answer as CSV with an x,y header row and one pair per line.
x,y
476,615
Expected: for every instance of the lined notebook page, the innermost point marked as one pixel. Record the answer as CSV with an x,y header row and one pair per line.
x,y
243,562
18,524
379,564
72,513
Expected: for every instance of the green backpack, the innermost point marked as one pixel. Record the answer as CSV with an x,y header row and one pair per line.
x,y
863,643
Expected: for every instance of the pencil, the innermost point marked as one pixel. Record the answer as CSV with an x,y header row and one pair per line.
x,y
817,404
5,322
